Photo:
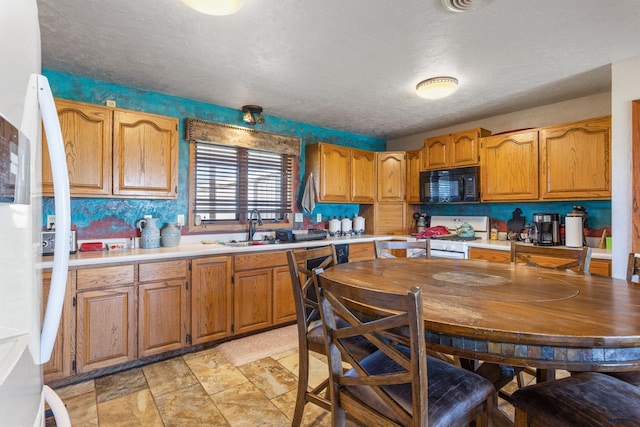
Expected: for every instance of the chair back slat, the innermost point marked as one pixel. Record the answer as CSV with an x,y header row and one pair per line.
x,y
552,256
417,249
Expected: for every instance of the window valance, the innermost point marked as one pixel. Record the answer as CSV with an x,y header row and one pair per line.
x,y
237,136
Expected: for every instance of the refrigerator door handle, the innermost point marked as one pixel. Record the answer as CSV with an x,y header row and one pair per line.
x,y
57,407
63,217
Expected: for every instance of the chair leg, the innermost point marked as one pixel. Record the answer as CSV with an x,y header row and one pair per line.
x,y
303,383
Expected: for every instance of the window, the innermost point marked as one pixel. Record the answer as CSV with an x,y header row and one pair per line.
x,y
231,181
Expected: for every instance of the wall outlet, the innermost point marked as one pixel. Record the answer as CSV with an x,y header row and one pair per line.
x,y
180,220
111,103
318,218
297,217
51,222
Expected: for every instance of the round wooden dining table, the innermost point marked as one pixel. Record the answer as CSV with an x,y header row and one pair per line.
x,y
513,314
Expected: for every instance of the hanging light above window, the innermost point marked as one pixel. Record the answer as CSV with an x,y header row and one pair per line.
x,y
214,7
252,114
437,87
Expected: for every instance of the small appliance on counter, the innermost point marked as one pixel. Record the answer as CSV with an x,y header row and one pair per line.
x,y
289,236
48,242
546,229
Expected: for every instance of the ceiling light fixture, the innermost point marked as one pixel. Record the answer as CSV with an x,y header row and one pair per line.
x,y
214,7
252,114
437,87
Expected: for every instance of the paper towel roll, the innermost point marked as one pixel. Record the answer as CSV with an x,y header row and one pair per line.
x,y
573,233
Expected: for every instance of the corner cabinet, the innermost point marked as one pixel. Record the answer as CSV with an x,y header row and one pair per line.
x,y
575,160
392,176
453,150
116,153
341,174
509,166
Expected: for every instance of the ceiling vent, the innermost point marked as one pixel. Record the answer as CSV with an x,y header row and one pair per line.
x,y
460,5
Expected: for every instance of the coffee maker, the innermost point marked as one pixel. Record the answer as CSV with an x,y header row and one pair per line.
x,y
546,229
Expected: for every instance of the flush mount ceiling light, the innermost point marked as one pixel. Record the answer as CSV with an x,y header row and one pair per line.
x,y
459,5
437,87
252,114
214,7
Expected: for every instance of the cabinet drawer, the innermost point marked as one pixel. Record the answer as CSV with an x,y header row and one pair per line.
x,y
162,270
263,260
105,276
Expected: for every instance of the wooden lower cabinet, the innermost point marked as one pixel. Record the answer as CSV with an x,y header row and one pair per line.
x,y
262,291
361,251
60,364
106,332
211,299
162,307
601,267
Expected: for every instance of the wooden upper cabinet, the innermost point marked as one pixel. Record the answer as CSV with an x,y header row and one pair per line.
x,y
363,176
413,163
115,153
342,174
145,155
86,133
392,176
509,166
575,160
331,168
454,150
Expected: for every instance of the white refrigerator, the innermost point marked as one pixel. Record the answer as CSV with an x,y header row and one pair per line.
x,y
26,103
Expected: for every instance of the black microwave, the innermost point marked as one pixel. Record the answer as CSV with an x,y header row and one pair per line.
x,y
450,185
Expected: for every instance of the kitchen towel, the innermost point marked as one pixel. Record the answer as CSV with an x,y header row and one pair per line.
x,y
309,195
573,233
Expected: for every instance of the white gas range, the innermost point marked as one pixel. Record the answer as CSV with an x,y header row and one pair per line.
x,y
455,246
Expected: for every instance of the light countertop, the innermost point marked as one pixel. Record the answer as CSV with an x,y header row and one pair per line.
x,y
505,245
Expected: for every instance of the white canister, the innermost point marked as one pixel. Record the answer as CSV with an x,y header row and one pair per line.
x,y
346,226
358,225
334,226
573,232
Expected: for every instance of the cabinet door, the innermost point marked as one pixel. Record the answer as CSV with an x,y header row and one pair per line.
x,y
335,173
59,366
106,328
252,300
363,176
414,158
145,155
463,148
284,309
509,166
575,160
436,152
390,218
361,251
211,309
392,176
86,132
162,317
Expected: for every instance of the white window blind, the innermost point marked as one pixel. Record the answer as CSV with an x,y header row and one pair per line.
x,y
231,181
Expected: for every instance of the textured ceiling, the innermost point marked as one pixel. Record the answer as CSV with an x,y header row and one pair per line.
x,y
350,65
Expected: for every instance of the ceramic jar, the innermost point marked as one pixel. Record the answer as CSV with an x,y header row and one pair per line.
x,y
149,233
334,227
346,226
170,235
358,225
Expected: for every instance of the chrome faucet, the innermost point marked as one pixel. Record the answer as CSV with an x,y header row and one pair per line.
x,y
252,224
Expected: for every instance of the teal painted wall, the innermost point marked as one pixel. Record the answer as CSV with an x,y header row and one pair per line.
x,y
114,218
108,218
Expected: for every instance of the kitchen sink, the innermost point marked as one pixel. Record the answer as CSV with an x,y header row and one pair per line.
x,y
241,243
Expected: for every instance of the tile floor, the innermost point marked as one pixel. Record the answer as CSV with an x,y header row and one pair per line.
x,y
198,389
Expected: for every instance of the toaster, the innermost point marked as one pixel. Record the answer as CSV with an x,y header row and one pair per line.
x,y
48,242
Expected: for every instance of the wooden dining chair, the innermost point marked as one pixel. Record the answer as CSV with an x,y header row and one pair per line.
x,y
552,256
397,383
417,249
633,267
586,399
310,332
